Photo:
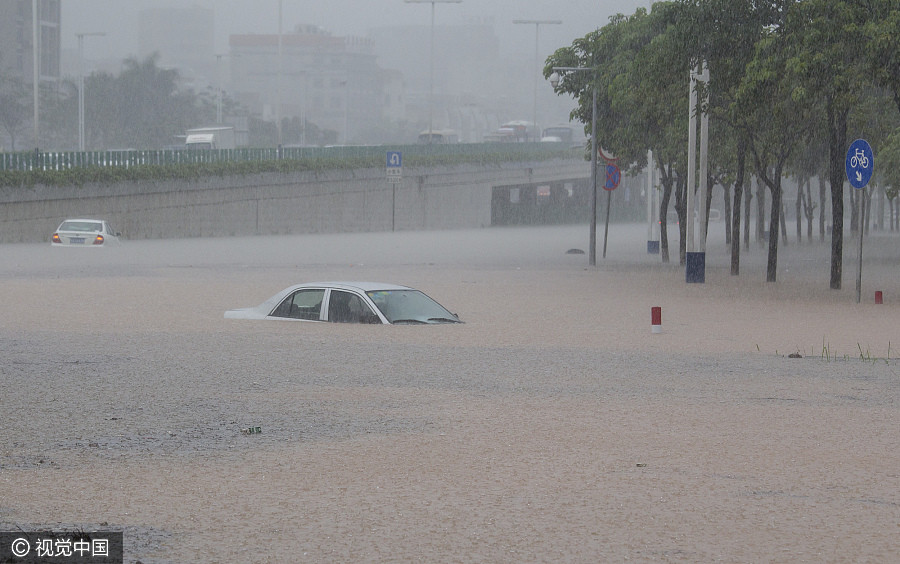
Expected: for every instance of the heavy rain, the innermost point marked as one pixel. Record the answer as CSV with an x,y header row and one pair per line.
x,y
756,419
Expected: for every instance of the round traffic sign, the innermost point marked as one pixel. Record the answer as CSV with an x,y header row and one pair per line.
x,y
613,177
860,163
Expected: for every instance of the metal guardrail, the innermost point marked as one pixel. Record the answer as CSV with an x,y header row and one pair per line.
x,y
62,160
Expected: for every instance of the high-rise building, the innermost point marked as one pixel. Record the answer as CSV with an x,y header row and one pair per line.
x,y
16,38
332,82
184,39
17,42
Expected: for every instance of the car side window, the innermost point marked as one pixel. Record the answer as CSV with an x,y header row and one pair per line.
x,y
302,304
346,307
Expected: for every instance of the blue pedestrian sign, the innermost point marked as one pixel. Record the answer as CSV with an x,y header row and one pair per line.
x,y
860,163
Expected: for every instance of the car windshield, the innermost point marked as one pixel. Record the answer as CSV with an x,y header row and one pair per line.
x,y
410,306
83,226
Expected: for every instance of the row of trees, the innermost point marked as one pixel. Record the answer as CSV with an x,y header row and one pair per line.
x,y
790,80
144,106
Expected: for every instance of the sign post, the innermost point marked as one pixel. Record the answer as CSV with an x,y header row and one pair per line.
x,y
394,168
859,165
613,177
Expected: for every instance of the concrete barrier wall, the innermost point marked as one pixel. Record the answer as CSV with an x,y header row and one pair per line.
x,y
309,202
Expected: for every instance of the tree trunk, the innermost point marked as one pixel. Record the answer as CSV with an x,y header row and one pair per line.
x,y
837,143
666,180
891,214
735,225
761,214
783,223
821,207
775,220
748,198
810,209
681,210
867,204
879,209
726,215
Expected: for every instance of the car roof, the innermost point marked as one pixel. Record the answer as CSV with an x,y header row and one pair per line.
x,y
358,286
83,219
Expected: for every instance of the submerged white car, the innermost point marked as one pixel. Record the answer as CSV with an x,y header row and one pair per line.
x,y
349,302
84,233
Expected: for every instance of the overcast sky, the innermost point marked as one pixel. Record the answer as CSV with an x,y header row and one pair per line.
x,y
118,19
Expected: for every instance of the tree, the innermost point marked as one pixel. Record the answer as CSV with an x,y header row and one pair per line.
x,y
638,97
780,69
143,106
882,31
152,107
59,115
101,111
651,94
15,105
827,64
724,33
888,171
778,115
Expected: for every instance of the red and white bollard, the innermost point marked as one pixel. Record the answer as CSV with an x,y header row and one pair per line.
x,y
656,319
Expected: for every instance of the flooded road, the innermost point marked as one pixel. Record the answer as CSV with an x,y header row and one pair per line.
x,y
551,426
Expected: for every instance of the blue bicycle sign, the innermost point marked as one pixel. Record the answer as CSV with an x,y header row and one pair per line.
x,y
860,163
859,159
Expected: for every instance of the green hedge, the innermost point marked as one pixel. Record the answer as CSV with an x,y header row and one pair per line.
x,y
78,176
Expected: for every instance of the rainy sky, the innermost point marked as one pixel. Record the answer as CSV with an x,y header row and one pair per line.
x,y
119,19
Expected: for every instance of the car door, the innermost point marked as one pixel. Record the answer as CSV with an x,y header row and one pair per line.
x,y
305,304
349,307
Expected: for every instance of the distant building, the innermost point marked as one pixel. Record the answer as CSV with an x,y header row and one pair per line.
x,y
184,39
332,82
17,46
16,39
476,88
473,91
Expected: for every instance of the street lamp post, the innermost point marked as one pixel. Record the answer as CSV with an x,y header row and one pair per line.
x,y
279,80
695,259
36,69
537,25
81,37
554,80
431,78
347,109
219,88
